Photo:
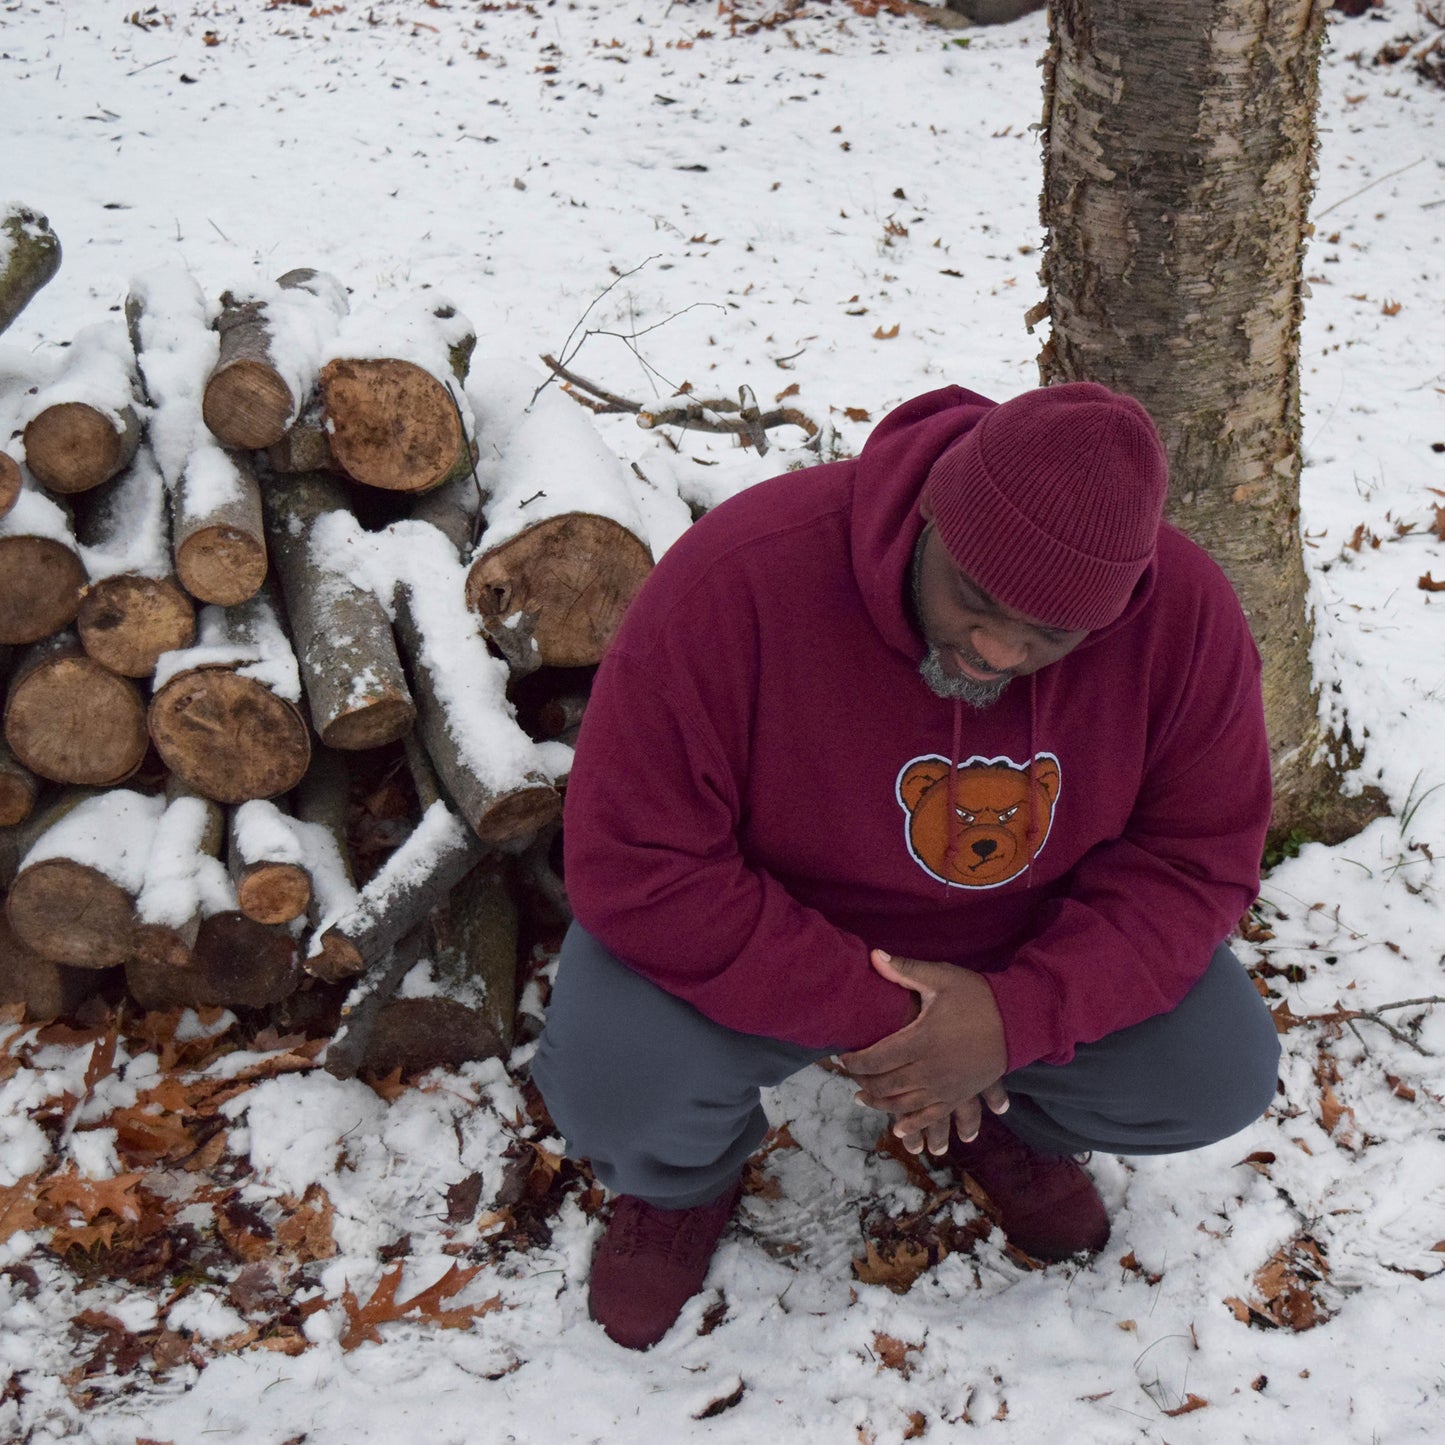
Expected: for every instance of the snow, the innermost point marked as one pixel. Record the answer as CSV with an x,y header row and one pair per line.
x,y
112,832
130,525
97,370
523,161
248,638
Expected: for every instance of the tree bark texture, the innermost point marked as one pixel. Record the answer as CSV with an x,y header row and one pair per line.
x,y
34,258
46,989
355,686
1179,144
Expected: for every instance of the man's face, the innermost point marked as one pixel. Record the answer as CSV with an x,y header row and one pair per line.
x,y
976,646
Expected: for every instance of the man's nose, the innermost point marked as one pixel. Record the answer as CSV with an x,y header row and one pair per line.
x,y
1002,650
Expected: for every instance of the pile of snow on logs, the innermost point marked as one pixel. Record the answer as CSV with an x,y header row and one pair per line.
x,y
247,544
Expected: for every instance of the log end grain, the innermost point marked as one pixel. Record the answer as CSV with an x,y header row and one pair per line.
x,y
221,565
392,424
228,737
273,892
244,963
571,577
161,946
71,913
47,989
246,404
381,721
73,447
40,584
10,482
73,721
518,817
338,959
126,622
18,790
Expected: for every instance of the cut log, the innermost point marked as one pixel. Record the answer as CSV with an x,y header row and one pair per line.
x,y
440,852
19,788
82,428
133,610
72,446
18,839
220,535
392,397
184,879
267,859
125,623
352,675
71,720
269,353
48,990
10,482
29,257
41,573
393,425
236,963
73,900
219,541
224,715
563,552
452,510
416,1034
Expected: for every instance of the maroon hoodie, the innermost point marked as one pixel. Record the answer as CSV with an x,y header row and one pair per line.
x,y
765,788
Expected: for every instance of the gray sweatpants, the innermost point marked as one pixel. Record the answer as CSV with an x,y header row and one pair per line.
x,y
665,1102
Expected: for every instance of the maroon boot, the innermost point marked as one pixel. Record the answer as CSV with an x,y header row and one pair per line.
x,y
1046,1204
650,1262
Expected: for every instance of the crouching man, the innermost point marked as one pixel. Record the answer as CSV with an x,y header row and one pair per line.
x,y
950,761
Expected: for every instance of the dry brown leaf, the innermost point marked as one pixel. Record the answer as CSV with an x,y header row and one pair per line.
x,y
897,1270
1428,584
879,334
917,1425
788,391
1332,1112
1190,1405
307,1230
18,1205
723,1402
893,1354
1390,308
858,413
90,1197
427,1305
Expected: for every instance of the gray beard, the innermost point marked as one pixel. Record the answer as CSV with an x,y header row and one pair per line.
x,y
931,669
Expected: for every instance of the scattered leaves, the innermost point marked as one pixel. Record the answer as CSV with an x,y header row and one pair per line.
x,y
723,1402
1190,1405
893,1354
1288,1289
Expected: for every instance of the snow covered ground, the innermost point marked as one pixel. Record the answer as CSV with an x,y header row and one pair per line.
x,y
846,203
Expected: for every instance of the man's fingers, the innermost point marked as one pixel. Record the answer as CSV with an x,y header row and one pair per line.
x,y
936,1136
909,1102
921,1120
966,1119
996,1097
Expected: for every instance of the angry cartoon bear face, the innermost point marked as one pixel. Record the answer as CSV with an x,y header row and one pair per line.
x,y
1001,815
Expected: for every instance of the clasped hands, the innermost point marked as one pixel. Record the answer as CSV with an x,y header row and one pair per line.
x,y
940,1070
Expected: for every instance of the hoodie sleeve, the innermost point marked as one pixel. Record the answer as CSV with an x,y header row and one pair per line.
x,y
1143,912
655,873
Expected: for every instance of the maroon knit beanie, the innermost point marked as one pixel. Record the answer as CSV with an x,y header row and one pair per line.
x,y
1052,502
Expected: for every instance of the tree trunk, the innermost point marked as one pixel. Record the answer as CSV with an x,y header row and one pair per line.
x,y
33,258
1179,142
353,678
71,720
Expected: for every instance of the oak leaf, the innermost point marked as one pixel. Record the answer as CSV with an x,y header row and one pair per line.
x,y
427,1305
896,1270
879,334
1428,584
307,1230
18,1203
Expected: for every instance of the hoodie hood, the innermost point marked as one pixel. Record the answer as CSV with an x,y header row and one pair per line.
x,y
888,484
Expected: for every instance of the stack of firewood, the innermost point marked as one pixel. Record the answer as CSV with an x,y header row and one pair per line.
x,y
246,548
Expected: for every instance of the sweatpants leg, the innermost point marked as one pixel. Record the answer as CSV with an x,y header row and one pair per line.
x,y
665,1103
661,1100
1178,1081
